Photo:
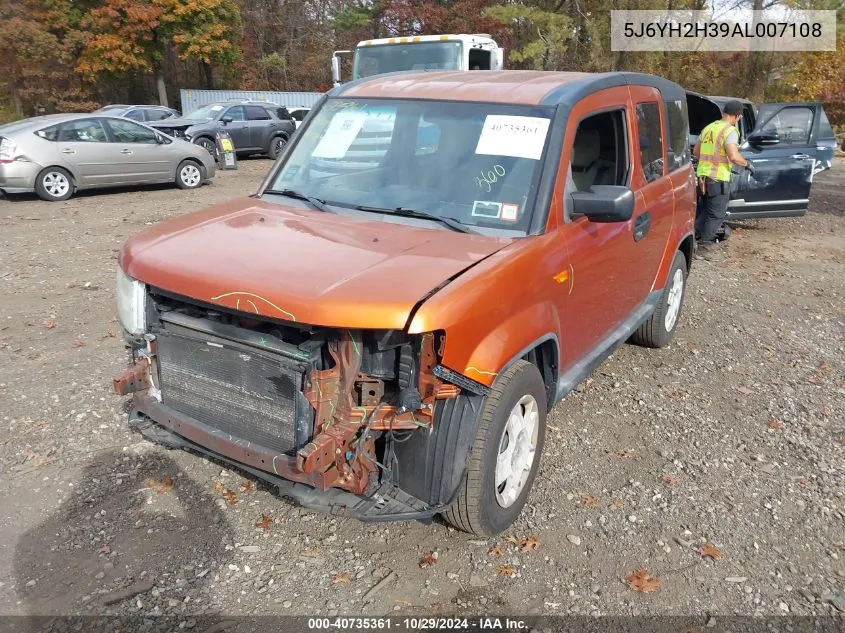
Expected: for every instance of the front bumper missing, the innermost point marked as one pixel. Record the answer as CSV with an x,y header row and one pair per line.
x,y
162,425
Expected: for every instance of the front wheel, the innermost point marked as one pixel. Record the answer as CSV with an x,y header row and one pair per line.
x,y
208,145
505,455
188,175
659,328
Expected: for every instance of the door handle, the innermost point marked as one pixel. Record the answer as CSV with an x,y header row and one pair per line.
x,y
126,151
641,225
68,151
801,156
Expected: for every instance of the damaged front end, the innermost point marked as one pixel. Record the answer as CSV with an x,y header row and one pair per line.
x,y
360,423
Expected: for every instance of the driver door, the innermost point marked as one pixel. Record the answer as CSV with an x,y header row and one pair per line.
x,y
790,143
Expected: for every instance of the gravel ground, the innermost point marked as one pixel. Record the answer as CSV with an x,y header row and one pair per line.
x,y
732,438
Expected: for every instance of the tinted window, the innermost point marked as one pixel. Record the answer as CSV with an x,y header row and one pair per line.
x,y
158,115
651,140
128,132
299,115
135,115
82,131
256,113
237,113
792,124
825,131
676,114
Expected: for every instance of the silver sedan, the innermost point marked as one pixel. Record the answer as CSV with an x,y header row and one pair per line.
x,y
58,154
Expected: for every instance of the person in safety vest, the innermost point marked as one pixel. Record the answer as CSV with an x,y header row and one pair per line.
x,y
716,151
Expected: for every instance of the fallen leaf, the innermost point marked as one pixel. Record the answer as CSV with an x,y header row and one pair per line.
x,y
247,486
79,343
428,560
218,488
230,497
775,424
264,523
712,551
109,334
669,479
104,549
622,454
496,550
642,581
745,391
589,500
826,367
507,570
825,413
162,486
310,552
407,603
49,324
344,577
514,540
619,503
530,544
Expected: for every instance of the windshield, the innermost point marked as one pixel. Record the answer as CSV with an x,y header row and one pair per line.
x,y
204,112
387,58
475,163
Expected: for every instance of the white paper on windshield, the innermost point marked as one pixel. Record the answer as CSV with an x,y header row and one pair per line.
x,y
340,134
517,136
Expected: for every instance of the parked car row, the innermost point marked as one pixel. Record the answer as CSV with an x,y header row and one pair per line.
x,y
121,145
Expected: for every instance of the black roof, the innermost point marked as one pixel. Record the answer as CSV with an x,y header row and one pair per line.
x,y
573,91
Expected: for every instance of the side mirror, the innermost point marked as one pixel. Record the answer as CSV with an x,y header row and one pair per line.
x,y
336,70
225,120
764,139
604,203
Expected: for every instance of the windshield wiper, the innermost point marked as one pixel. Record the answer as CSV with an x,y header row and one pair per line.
x,y
452,223
318,204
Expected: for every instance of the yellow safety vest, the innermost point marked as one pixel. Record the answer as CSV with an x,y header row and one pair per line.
x,y
713,159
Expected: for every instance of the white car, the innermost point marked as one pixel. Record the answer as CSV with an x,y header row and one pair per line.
x,y
298,113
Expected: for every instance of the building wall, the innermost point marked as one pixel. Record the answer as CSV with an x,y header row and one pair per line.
x,y
192,99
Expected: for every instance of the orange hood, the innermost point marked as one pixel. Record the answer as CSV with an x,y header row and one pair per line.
x,y
301,265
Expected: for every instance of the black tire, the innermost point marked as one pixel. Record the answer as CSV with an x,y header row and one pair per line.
x,y
189,175
208,145
54,184
277,144
476,509
654,331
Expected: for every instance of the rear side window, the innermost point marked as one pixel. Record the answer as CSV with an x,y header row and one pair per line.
x,y
157,115
135,115
651,140
825,131
256,113
678,153
82,131
49,133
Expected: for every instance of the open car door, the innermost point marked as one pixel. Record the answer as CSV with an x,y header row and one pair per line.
x,y
790,143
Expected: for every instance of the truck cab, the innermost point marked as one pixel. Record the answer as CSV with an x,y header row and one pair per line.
x,y
421,52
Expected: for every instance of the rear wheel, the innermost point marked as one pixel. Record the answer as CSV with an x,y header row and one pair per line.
x,y
189,175
54,184
505,455
659,328
277,144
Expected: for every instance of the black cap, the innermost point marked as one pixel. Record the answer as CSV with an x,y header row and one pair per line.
x,y
733,107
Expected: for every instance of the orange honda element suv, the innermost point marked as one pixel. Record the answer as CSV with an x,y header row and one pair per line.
x,y
434,260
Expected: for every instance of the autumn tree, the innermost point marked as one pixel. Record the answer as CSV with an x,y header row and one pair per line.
x,y
136,35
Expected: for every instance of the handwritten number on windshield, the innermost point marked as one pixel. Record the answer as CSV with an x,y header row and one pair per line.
x,y
488,178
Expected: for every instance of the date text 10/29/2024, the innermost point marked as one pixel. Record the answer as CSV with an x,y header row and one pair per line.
x,y
513,625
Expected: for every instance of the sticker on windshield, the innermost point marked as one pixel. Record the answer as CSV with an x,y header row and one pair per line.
x,y
510,212
486,209
517,136
340,134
